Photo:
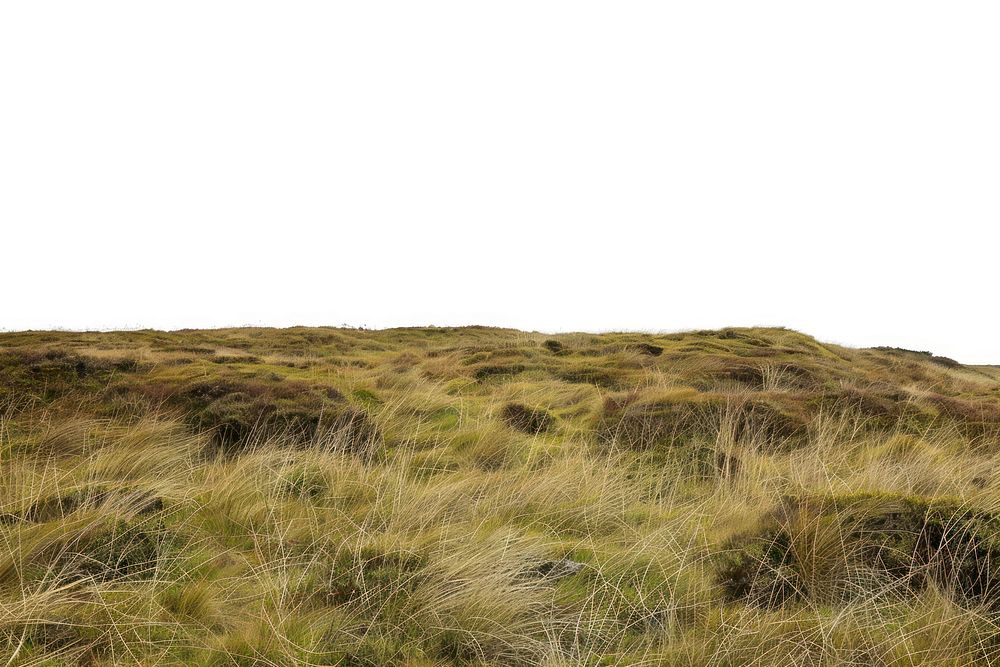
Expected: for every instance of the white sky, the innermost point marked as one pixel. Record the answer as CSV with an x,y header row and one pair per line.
x,y
832,167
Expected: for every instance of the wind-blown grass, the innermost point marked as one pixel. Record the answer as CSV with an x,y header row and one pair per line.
x,y
487,497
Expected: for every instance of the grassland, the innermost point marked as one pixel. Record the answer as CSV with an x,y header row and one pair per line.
x,y
479,496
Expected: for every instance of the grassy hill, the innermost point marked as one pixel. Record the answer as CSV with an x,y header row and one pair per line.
x,y
478,496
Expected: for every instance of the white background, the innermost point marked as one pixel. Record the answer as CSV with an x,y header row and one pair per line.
x,y
831,167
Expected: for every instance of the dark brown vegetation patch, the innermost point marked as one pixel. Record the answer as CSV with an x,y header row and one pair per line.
x,y
235,359
976,419
601,376
490,371
929,356
554,346
758,375
834,548
772,422
49,373
640,423
529,420
238,410
882,407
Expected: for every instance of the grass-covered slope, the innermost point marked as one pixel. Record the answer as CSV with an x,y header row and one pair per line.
x,y
479,496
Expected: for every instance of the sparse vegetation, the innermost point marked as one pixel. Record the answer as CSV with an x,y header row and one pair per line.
x,y
481,496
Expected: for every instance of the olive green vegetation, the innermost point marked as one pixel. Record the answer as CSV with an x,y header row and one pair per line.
x,y
478,496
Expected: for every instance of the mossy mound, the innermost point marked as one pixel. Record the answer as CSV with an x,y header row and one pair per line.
x,y
681,416
840,547
528,420
554,346
238,410
641,423
48,373
485,372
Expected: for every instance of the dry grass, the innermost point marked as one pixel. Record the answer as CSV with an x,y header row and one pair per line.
x,y
455,530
